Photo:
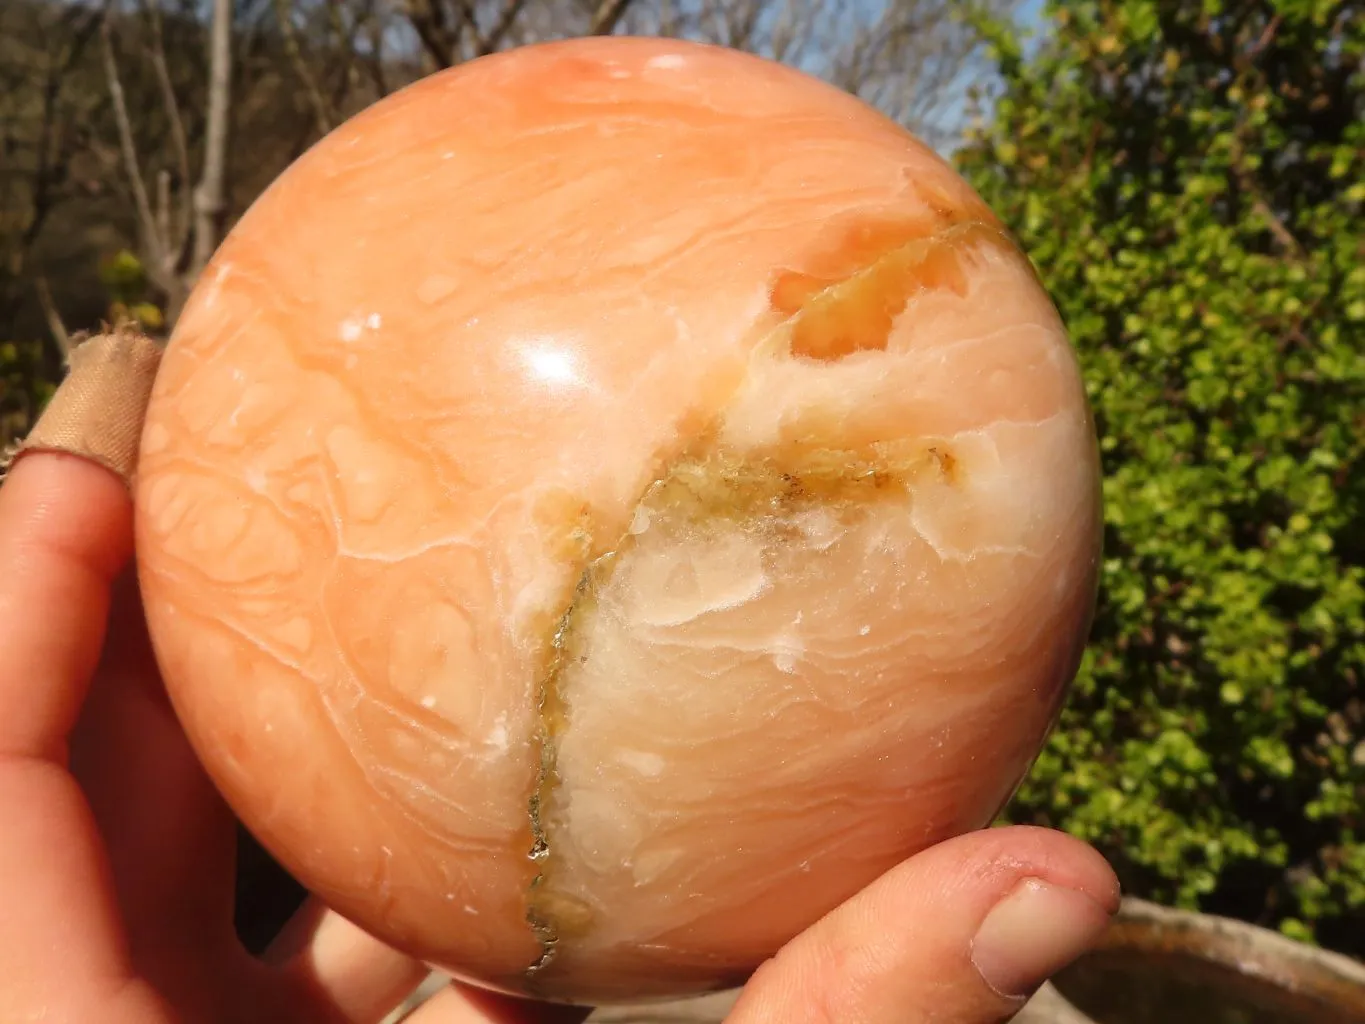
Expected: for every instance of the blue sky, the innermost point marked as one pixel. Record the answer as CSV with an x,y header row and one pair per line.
x,y
1032,19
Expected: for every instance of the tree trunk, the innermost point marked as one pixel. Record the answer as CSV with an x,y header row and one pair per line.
x,y
210,203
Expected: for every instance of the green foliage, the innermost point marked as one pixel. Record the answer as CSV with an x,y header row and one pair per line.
x,y
25,388
1188,176
125,278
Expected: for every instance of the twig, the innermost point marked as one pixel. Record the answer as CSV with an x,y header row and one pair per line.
x,y
176,251
1246,181
284,16
783,35
670,19
348,77
375,63
209,200
163,203
55,324
51,169
510,10
607,16
1266,37
428,22
132,165
742,26
1274,224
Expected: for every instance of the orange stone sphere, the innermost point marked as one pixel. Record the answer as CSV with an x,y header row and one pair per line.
x,y
606,504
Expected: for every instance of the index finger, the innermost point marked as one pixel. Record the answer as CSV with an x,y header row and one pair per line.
x,y
66,530
65,533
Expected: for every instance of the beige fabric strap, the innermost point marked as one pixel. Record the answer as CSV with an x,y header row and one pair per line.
x,y
99,408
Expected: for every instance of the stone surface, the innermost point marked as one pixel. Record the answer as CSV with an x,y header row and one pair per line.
x,y
606,504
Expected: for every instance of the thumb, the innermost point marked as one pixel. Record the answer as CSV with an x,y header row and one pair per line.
x,y
962,933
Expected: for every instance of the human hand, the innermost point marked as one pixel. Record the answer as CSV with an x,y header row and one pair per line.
x,y
116,852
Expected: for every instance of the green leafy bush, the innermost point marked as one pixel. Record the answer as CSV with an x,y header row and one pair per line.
x,y
25,387
1189,177
125,278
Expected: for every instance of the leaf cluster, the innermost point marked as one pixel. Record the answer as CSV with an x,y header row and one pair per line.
x,y
1188,177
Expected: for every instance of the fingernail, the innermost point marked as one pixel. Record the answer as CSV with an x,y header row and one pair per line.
x,y
1034,932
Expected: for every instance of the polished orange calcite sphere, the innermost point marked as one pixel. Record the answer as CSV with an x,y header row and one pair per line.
x,y
606,504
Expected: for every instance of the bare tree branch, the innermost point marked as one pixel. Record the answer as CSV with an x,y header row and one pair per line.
x,y
375,63
51,146
152,241
348,76
284,16
741,26
508,17
60,334
163,204
607,16
670,19
157,51
786,31
210,204
428,21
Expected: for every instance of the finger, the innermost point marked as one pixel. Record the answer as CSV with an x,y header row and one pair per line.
x,y
343,966
463,1004
962,933
169,834
65,531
